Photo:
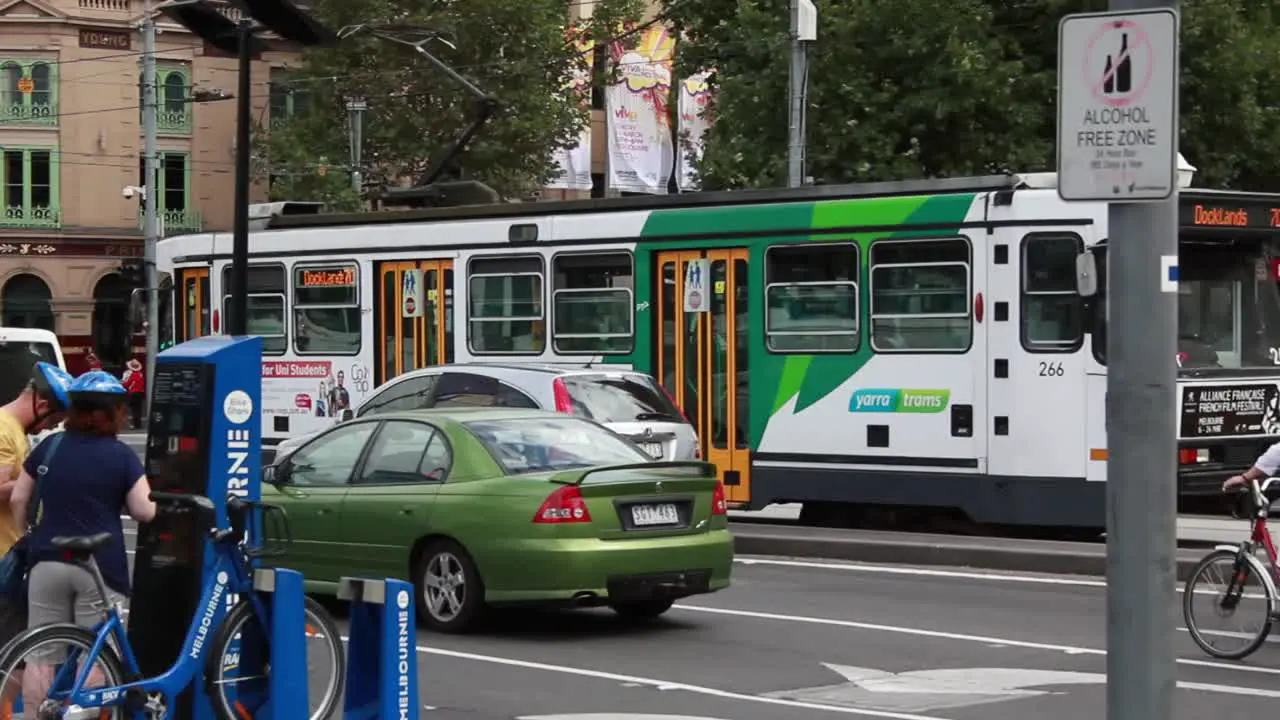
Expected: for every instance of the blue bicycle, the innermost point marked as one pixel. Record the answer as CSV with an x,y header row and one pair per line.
x,y
69,672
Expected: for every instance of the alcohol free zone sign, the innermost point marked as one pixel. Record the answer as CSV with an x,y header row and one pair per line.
x,y
1118,106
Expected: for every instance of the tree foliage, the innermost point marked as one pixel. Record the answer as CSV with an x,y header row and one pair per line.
x,y
518,51
928,88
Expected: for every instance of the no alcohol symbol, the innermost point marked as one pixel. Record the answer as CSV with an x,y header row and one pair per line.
x,y
1119,62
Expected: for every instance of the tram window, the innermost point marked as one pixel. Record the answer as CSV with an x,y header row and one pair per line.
x,y
1052,311
592,301
811,298
505,313
267,291
326,309
920,296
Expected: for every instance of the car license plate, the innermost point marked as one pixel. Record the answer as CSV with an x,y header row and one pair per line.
x,y
653,449
661,514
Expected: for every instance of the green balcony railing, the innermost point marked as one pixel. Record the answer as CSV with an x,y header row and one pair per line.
x,y
174,121
31,217
176,222
26,113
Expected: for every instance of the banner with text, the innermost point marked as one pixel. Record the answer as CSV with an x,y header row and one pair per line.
x,y
1239,409
574,163
640,145
695,95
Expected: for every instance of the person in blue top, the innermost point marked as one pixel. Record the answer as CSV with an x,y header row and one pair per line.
x,y
88,478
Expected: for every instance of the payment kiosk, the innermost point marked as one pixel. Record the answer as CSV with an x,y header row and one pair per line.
x,y
204,437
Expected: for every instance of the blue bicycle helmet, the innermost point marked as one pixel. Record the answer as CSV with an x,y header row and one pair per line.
x,y
97,388
53,384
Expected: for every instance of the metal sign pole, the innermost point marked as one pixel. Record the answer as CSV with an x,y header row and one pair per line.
x,y
1117,142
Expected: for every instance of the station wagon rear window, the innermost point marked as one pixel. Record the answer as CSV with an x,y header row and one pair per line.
x,y
620,398
542,445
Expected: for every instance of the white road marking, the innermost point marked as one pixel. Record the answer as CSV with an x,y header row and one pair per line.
x,y
921,572
663,684
941,635
954,574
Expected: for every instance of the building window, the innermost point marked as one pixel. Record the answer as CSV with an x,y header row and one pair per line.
x,y
27,303
288,98
505,313
592,301
30,178
267,292
811,298
173,100
920,296
1052,309
326,309
28,92
173,201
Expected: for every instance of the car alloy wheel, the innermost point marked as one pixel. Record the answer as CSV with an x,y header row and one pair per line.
x,y
450,591
444,586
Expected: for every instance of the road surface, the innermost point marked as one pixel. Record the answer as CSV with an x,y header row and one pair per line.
x,y
808,640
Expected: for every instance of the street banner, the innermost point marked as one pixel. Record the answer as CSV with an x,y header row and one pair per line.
x,y
639,130
695,95
574,163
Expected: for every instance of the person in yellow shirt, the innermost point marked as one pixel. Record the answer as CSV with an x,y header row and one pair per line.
x,y
41,405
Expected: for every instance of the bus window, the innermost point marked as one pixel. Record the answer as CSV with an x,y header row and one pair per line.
x,y
505,313
592,302
920,296
811,298
326,307
267,290
1228,304
1051,307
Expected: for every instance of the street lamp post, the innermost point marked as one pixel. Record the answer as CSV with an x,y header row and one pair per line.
x,y
284,19
355,133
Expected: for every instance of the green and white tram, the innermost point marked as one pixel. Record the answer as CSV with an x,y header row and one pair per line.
x,y
912,344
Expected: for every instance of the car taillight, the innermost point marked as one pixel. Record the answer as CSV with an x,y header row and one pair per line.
x,y
718,504
564,505
561,393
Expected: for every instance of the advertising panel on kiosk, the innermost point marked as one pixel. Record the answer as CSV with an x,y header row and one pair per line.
x,y
204,437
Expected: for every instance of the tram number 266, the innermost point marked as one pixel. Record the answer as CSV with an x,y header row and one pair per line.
x,y
1051,369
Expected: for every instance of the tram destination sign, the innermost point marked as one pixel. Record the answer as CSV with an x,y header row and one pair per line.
x,y
1249,213
1117,106
1230,410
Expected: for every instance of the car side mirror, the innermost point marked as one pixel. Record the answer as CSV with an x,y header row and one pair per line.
x,y
1086,274
345,415
276,474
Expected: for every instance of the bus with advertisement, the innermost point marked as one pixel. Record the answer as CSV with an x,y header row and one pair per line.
x,y
905,347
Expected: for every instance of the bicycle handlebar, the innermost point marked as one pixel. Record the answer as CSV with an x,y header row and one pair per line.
x,y
195,502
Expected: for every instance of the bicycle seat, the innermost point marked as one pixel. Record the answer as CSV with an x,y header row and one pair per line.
x,y
81,543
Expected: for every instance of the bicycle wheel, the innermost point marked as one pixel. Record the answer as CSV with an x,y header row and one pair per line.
x,y
238,698
39,668
1246,600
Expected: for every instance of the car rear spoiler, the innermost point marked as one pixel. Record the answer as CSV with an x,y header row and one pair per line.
x,y
705,469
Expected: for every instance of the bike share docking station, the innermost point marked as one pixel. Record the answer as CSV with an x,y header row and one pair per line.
x,y
204,437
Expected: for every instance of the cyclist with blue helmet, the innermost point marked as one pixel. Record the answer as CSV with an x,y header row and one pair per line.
x,y
42,404
87,481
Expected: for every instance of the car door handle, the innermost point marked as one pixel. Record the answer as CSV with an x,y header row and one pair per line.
x,y
322,511
406,510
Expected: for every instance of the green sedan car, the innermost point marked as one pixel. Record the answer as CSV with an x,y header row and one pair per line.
x,y
485,507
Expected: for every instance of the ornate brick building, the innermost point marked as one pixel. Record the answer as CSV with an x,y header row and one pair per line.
x,y
70,142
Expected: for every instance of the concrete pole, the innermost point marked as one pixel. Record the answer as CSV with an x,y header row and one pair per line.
x,y
1142,436
795,84
150,196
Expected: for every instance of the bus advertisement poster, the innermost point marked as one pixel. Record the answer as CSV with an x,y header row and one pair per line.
x,y
1235,410
293,387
